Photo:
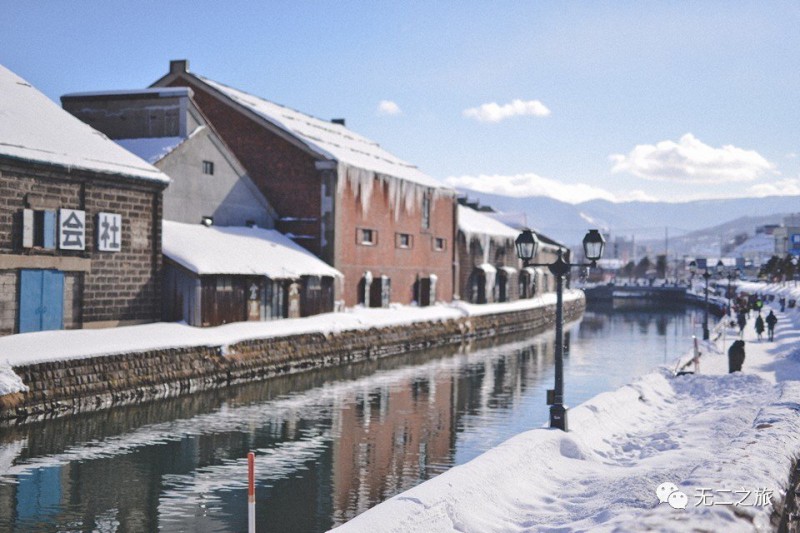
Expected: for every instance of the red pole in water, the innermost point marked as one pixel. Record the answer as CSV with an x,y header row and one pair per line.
x,y
251,492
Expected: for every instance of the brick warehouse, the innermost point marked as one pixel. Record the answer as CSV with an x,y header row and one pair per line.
x,y
80,221
389,228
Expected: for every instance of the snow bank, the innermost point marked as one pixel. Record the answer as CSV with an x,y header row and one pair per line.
x,y
726,441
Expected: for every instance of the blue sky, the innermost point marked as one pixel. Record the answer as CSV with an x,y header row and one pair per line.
x,y
578,100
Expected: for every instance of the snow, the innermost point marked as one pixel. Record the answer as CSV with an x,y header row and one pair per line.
x,y
473,223
332,141
719,437
48,346
151,149
240,250
9,380
160,91
33,128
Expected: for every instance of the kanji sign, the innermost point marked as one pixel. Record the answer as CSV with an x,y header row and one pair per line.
x,y
71,229
109,232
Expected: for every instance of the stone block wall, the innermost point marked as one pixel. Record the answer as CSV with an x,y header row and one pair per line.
x,y
101,287
8,301
75,385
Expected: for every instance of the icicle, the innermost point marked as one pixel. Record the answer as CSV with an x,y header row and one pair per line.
x,y
361,184
403,196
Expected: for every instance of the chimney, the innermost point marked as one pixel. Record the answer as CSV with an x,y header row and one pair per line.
x,y
339,121
178,66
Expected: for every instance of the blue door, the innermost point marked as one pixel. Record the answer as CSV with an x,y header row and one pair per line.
x,y
41,300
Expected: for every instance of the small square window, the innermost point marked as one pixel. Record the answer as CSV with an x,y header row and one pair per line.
x,y
403,240
208,168
439,244
367,237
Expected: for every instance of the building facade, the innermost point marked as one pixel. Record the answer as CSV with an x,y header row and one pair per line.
x,y
216,275
165,128
80,221
488,269
375,218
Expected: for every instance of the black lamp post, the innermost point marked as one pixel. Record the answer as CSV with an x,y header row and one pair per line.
x,y
527,245
731,276
706,276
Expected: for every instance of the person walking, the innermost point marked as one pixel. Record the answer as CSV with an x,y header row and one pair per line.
x,y
741,321
771,321
759,326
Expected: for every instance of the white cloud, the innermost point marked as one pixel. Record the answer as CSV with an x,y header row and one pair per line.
x,y
691,161
387,107
494,112
784,187
636,196
522,185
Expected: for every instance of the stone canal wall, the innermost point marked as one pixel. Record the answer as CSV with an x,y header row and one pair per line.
x,y
73,385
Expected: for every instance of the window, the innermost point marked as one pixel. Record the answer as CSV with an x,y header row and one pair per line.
x,y
367,237
403,240
208,168
439,244
224,283
426,210
39,229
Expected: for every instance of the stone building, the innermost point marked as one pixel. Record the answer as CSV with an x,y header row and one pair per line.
x,y
387,226
487,263
80,221
166,128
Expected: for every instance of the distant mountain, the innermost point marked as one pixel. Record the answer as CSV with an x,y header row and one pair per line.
x,y
644,221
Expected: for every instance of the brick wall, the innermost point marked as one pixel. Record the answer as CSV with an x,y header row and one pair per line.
x,y
403,265
470,255
119,286
83,384
287,176
283,172
124,285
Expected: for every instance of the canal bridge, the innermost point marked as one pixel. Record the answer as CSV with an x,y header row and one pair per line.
x,y
633,295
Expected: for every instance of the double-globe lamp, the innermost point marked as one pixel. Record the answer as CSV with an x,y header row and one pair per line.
x,y
527,245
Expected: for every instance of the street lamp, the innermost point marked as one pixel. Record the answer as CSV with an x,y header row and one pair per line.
x,y
706,276
732,274
527,245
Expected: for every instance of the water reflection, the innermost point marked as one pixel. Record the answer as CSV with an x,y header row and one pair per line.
x,y
329,444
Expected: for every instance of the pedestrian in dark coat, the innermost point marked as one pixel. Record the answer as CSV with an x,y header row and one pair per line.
x,y
736,356
759,326
771,321
741,320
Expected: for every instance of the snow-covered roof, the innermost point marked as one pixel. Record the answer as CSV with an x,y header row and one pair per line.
x,y
151,149
34,128
472,222
160,91
331,141
240,250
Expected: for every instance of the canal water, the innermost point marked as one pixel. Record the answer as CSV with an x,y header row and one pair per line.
x,y
329,445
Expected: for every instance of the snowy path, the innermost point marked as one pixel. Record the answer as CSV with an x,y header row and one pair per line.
x,y
726,441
